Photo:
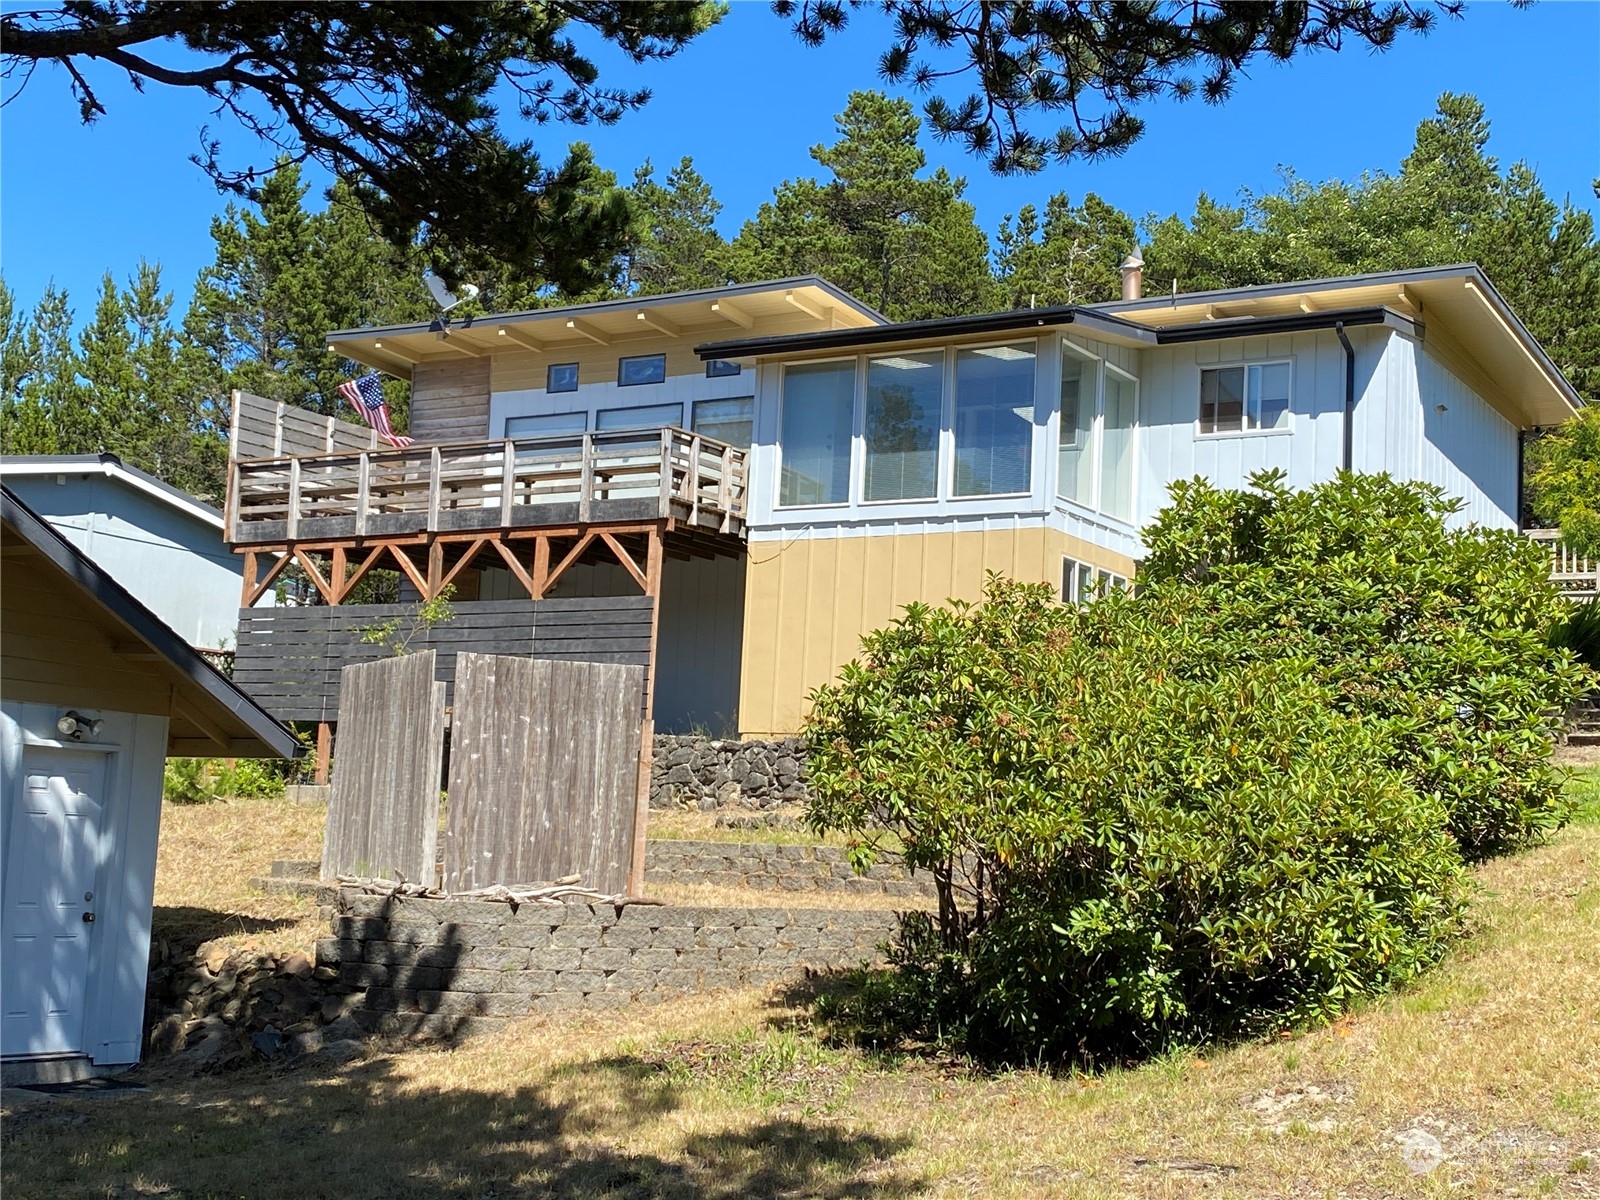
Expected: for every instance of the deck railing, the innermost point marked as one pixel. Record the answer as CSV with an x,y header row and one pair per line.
x,y
554,479
1577,576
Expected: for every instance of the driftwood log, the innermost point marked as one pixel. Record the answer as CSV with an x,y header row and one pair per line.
x,y
567,890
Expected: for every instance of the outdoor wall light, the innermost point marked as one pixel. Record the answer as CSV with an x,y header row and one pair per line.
x,y
1441,408
74,724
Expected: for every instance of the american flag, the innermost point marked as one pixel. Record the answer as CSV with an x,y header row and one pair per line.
x,y
365,395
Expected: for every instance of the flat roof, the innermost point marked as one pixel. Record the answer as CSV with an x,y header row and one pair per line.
x,y
397,349
220,704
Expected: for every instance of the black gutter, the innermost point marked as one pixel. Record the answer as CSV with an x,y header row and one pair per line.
x,y
1093,323
145,625
1300,322
1349,397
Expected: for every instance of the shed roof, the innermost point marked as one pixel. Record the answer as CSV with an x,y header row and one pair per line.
x,y
208,714
115,469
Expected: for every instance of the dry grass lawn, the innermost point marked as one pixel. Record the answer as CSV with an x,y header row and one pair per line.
x,y
1496,1054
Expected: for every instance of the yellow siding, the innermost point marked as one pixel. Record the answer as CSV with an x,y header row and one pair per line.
x,y
808,602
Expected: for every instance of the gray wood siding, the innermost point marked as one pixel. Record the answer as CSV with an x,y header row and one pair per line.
x,y
450,402
383,809
544,770
290,659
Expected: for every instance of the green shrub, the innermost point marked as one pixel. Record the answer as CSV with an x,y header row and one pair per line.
x,y
201,780
1441,636
1128,855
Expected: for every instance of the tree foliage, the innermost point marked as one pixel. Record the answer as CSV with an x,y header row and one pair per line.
x,y
1090,63
1242,798
1564,481
910,246
679,248
397,101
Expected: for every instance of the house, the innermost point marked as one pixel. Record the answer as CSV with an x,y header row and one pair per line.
x,y
95,692
160,543
732,486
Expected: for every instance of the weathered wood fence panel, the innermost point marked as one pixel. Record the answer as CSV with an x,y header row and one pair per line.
x,y
544,766
290,659
383,808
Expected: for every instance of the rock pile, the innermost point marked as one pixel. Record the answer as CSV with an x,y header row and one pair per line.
x,y
216,1009
689,771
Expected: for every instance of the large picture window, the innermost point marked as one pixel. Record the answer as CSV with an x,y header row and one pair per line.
x,y
1079,375
1244,398
994,420
1116,445
905,399
726,420
817,420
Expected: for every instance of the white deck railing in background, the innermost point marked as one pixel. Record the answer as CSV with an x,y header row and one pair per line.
x,y
1577,576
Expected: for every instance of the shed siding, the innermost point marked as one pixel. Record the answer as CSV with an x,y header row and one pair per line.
x,y
450,402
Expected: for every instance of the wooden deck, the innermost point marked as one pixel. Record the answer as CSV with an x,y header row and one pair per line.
x,y
515,483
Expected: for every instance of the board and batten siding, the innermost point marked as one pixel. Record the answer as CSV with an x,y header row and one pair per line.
x,y
450,402
1171,446
1469,449
809,601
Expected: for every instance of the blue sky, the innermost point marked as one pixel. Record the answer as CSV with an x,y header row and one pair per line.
x,y
748,101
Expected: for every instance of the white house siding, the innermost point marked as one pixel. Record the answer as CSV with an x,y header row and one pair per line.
x,y
1172,448
1470,450
700,628
173,563
119,950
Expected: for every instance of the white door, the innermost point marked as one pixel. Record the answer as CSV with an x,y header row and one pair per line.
x,y
50,900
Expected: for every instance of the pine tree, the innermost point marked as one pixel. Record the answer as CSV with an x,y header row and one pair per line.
x,y
907,245
679,247
1073,257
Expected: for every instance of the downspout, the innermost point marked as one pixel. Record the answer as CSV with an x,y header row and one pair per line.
x,y
1349,396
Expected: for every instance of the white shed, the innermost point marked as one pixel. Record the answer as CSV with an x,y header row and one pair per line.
x,y
95,693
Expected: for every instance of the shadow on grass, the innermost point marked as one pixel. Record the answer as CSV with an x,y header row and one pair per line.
x,y
184,927
611,1129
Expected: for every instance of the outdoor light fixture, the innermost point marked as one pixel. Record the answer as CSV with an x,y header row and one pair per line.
x,y
1441,408
74,724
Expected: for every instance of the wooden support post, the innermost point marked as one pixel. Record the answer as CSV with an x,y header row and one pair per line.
x,y
666,473
652,588
435,571
363,493
586,478
541,568
324,751
293,519
725,490
641,809
337,582
435,470
508,481
694,480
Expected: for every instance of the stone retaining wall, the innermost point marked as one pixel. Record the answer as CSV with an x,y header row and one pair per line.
x,y
448,968
776,868
707,773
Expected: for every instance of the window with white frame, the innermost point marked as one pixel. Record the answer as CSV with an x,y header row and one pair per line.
x,y
1119,409
905,403
1245,398
726,420
817,421
643,416
994,420
546,423
1082,582
1080,376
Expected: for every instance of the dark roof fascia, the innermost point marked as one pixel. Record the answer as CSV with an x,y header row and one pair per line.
x,y
144,624
625,304
78,462
1238,327
1092,323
